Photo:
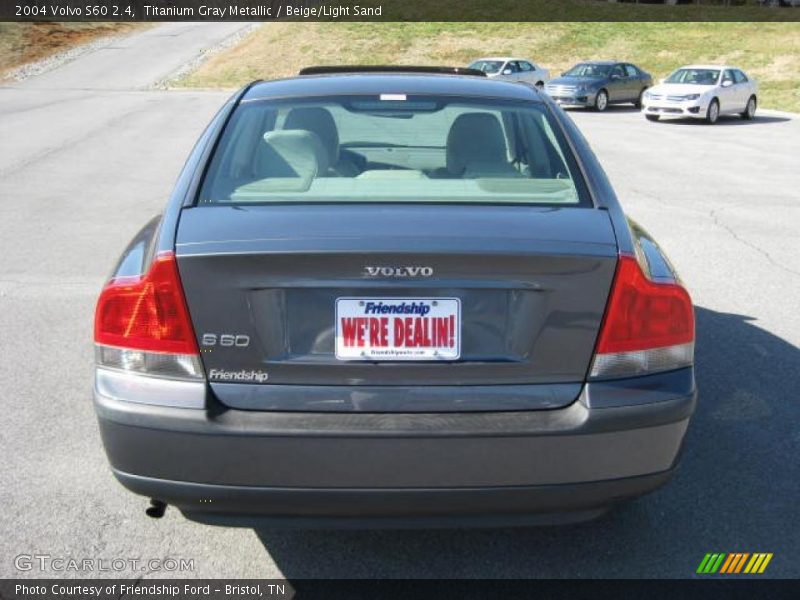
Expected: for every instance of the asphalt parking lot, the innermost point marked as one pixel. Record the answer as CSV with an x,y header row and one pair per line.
x,y
88,152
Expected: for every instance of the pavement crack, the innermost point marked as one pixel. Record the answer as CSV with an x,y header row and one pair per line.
x,y
714,214
662,201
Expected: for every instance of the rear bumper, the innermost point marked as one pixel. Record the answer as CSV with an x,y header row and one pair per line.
x,y
236,467
248,506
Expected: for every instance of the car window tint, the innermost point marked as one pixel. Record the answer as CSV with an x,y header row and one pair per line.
x,y
487,66
618,70
589,70
631,71
525,66
727,76
694,76
739,76
364,149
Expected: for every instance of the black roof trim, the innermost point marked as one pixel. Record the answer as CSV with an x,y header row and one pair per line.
x,y
330,70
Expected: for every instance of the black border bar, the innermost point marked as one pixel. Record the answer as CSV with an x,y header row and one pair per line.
x,y
741,588
399,10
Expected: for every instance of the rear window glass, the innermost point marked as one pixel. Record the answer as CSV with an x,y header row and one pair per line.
x,y
487,66
391,148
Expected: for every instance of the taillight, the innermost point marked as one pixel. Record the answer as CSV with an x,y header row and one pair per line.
x,y
648,326
142,324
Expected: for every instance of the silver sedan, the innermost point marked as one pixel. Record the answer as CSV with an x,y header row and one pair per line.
x,y
509,68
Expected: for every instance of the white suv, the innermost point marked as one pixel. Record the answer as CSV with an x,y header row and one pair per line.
x,y
702,92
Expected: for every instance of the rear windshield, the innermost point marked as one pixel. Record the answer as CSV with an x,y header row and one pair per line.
x,y
392,148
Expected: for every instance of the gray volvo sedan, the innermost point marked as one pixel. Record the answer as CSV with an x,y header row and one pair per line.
x,y
392,296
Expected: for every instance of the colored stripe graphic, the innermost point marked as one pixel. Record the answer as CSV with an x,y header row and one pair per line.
x,y
740,564
764,564
754,563
729,562
717,563
703,563
734,562
711,563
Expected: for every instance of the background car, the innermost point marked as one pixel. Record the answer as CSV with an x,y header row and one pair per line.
x,y
513,69
781,3
703,92
598,83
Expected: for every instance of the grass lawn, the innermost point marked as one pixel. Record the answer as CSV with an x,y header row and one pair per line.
x,y
22,43
768,51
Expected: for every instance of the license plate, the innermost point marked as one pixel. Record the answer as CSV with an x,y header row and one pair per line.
x,y
390,329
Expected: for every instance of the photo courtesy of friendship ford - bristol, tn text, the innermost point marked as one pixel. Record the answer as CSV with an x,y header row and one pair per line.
x,y
312,299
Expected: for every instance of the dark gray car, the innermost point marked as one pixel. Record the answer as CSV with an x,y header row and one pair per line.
x,y
599,83
376,296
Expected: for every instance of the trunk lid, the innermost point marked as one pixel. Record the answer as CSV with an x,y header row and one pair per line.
x,y
262,283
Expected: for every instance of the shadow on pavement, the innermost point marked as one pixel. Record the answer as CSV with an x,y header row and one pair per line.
x,y
736,491
611,108
728,120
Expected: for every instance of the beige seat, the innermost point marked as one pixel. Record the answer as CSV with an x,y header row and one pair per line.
x,y
288,161
319,120
476,147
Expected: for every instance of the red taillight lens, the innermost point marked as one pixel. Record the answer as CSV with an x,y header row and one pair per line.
x,y
642,315
648,327
147,312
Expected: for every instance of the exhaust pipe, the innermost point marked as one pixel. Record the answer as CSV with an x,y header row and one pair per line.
x,y
156,509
